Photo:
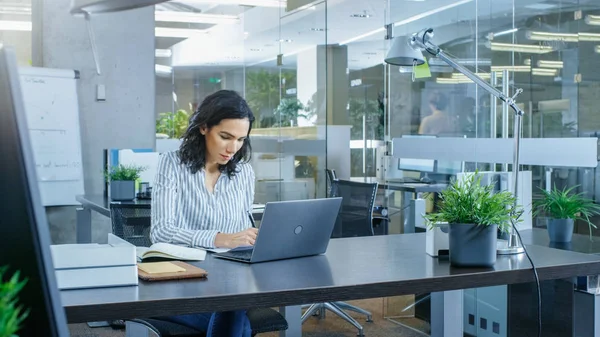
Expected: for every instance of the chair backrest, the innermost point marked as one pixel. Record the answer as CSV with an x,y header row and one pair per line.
x,y
356,213
331,180
131,222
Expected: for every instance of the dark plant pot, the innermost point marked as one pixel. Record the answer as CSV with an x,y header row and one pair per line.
x,y
122,190
472,246
560,230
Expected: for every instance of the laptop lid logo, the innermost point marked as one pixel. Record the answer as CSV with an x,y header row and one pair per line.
x,y
298,229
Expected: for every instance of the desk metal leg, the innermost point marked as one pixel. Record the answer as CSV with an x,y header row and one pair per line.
x,y
293,317
84,225
586,314
447,313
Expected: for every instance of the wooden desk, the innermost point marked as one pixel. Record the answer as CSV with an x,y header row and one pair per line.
x,y
352,268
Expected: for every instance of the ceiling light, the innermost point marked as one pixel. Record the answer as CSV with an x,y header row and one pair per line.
x,y
464,62
597,49
514,69
491,36
550,64
107,6
23,26
541,6
544,36
255,49
285,40
567,37
544,72
255,3
178,32
527,62
187,17
162,69
592,20
520,48
364,15
162,53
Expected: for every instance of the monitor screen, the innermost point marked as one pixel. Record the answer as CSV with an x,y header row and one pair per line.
x,y
23,225
420,165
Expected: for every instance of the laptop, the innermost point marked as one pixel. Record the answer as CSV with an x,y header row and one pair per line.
x,y
290,229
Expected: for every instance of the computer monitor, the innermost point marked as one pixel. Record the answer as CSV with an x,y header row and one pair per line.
x,y
23,226
417,165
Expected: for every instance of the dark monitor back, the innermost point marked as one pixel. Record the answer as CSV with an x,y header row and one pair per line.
x,y
23,226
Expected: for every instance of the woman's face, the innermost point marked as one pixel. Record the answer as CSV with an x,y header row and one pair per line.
x,y
225,139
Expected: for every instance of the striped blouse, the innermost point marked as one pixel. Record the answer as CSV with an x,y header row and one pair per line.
x,y
184,212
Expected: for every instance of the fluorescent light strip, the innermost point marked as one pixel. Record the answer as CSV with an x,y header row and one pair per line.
x,y
504,32
520,48
592,20
409,20
187,17
514,69
550,64
162,69
178,32
567,37
465,62
597,49
162,53
255,3
21,26
537,72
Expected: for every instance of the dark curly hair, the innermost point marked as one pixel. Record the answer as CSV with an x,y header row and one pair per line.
x,y
223,104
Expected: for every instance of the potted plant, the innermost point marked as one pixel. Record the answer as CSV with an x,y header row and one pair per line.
x,y
122,181
474,213
11,313
564,206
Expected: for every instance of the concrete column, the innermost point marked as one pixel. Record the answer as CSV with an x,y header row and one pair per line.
x,y
125,43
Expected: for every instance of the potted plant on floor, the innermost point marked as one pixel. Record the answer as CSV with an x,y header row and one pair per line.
x,y
474,213
11,313
564,206
122,181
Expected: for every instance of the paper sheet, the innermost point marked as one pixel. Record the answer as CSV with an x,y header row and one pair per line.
x,y
160,267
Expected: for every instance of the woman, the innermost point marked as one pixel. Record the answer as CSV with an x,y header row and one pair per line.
x,y
203,193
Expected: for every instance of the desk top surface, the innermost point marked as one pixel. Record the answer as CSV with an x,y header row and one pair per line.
x,y
579,243
352,268
101,204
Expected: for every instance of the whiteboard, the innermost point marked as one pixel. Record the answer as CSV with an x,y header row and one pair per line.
x,y
52,109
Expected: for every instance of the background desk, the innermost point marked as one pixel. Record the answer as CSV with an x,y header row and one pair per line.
x,y
411,208
101,204
352,268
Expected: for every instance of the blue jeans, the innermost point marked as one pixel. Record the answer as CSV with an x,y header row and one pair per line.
x,y
217,324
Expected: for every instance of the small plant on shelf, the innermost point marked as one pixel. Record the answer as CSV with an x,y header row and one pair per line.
x,y
564,206
124,173
12,314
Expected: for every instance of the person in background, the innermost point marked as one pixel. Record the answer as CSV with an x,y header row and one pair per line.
x,y
203,194
439,122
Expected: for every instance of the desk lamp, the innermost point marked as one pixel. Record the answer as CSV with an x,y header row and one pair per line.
x,y
87,7
407,52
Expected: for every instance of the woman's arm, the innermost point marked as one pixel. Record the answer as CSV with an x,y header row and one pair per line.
x,y
164,209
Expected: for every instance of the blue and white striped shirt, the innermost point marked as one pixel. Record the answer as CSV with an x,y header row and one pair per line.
x,y
185,212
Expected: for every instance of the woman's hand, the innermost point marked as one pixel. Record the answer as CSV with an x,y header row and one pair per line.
x,y
244,238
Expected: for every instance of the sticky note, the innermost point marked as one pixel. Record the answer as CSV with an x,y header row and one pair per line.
x,y
159,267
422,70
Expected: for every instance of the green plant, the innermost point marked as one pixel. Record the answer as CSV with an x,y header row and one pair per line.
x,y
566,204
172,124
467,201
288,111
11,313
124,172
369,108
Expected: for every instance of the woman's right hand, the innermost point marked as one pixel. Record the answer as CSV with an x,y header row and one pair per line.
x,y
244,238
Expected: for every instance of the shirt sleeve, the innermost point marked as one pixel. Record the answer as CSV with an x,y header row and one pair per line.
x,y
164,209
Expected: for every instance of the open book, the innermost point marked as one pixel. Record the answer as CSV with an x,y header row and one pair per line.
x,y
171,252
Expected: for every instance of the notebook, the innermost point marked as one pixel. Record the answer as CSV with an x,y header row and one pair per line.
x,y
172,270
169,251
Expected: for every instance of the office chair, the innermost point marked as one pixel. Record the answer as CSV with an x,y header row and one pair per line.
x,y
331,180
131,222
354,219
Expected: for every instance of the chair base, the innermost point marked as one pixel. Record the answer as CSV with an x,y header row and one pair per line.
x,y
318,309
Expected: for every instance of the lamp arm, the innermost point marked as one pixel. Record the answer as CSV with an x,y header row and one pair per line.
x,y
421,40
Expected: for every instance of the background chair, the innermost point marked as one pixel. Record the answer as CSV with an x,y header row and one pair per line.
x,y
354,219
331,180
131,222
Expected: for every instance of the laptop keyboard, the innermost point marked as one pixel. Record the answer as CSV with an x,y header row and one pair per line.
x,y
243,255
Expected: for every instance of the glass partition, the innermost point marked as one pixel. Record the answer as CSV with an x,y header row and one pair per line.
x,y
15,28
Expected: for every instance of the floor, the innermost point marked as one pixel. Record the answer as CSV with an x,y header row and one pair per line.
x,y
331,326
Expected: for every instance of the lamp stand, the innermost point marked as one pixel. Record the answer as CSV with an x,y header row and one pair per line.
x,y
421,40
